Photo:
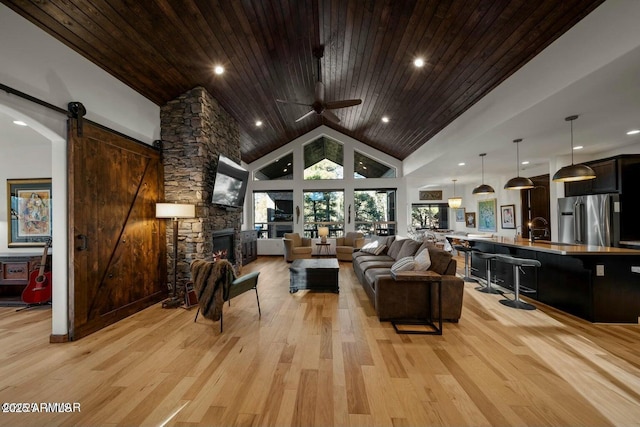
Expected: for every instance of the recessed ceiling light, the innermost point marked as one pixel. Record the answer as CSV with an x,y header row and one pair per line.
x,y
385,119
526,162
364,167
631,132
461,164
578,147
418,62
19,123
284,170
258,123
289,164
219,69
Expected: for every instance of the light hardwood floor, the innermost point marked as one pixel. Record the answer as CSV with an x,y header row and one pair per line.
x,y
324,359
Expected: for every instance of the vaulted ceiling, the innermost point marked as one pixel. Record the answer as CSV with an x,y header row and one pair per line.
x,y
163,48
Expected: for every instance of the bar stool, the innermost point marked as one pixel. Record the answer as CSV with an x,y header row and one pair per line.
x,y
517,263
467,262
487,257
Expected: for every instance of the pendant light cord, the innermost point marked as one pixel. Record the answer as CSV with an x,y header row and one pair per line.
x,y
571,122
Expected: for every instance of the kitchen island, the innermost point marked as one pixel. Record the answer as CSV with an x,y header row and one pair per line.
x,y
599,284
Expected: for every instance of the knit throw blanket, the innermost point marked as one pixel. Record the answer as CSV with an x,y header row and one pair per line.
x,y
211,282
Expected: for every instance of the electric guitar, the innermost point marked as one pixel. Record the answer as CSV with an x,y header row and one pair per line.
x,y
38,291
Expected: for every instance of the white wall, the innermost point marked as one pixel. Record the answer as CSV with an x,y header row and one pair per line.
x,y
37,64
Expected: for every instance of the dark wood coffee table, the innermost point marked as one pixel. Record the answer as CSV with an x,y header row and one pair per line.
x,y
314,274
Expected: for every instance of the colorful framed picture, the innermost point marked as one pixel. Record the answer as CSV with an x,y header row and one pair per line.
x,y
508,216
29,206
487,218
470,219
459,212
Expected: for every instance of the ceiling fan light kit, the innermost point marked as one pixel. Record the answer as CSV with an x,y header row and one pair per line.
x,y
519,182
319,106
573,172
483,188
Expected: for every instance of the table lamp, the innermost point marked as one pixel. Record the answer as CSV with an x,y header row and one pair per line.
x,y
323,232
174,211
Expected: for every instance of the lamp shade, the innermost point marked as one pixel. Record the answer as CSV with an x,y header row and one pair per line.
x,y
483,189
323,231
175,210
519,183
571,173
455,202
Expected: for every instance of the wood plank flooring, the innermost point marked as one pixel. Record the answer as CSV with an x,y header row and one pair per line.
x,y
321,359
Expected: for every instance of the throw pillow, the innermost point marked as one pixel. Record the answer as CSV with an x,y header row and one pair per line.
x,y
374,248
403,264
422,260
395,247
409,248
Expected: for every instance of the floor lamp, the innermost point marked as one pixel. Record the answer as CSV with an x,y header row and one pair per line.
x,y
174,211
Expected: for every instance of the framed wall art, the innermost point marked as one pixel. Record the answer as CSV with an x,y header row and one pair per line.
x,y
470,219
508,216
487,219
431,195
459,212
29,207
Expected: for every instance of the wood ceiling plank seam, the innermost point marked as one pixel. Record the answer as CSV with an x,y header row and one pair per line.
x,y
398,66
343,57
436,85
398,28
505,55
119,29
351,55
484,43
372,50
39,15
189,53
410,123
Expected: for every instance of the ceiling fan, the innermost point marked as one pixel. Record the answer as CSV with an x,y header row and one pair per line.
x,y
319,105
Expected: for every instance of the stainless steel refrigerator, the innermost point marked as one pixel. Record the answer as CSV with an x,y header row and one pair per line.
x,y
589,220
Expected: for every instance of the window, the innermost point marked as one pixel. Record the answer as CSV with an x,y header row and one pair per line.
x,y
375,211
273,213
323,159
281,168
429,215
365,167
324,208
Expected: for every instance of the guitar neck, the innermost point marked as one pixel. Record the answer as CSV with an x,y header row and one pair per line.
x,y
43,261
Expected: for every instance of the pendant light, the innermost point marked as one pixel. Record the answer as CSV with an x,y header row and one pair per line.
x,y
573,172
455,202
483,188
519,182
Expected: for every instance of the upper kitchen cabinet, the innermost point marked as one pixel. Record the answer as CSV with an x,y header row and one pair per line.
x,y
611,176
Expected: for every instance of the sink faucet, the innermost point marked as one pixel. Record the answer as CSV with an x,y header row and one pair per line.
x,y
535,227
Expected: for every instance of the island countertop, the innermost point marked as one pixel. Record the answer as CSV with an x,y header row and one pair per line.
x,y
549,247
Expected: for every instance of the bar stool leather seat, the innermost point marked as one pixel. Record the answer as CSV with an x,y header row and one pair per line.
x,y
488,257
517,264
467,262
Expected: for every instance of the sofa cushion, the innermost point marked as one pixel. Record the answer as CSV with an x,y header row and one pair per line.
x,y
409,248
376,258
440,260
395,248
403,264
372,273
422,260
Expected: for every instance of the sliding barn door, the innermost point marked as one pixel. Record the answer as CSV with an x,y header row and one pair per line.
x,y
117,249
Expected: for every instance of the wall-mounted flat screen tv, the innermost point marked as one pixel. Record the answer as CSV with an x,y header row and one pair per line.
x,y
230,185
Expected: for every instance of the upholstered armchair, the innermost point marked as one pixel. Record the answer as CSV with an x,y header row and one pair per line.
x,y
296,247
347,244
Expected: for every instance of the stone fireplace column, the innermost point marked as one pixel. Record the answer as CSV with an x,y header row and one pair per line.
x,y
194,131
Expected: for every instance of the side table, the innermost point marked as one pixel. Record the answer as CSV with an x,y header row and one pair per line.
x,y
429,278
323,247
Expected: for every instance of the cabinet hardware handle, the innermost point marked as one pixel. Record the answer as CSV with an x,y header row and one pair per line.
x,y
83,242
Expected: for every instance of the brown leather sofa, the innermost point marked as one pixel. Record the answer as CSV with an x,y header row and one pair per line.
x,y
409,299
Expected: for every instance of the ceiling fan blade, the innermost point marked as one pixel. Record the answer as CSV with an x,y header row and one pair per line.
x,y
305,116
330,116
342,104
284,101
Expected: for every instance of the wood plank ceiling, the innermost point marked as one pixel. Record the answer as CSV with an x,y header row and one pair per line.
x,y
163,48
